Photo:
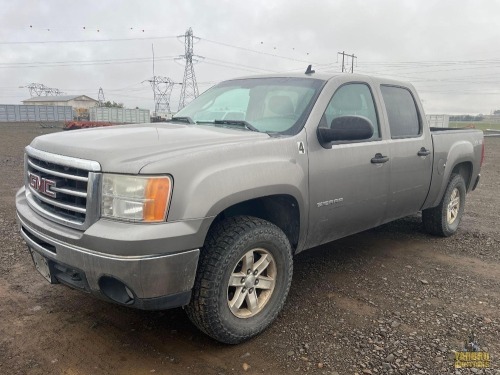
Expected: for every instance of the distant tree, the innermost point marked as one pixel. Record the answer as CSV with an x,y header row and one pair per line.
x,y
497,112
113,104
466,118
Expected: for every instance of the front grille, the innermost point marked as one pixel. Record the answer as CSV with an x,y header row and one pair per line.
x,y
60,188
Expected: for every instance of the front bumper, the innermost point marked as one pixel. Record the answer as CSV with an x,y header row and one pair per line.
x,y
157,280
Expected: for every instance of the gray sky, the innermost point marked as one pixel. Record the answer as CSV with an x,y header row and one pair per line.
x,y
449,50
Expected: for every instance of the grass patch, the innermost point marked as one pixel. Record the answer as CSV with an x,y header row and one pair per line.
x,y
481,125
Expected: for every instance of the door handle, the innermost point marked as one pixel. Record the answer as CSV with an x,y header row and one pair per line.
x,y
423,152
379,158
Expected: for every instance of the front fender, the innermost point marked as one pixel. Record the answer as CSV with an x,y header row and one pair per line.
x,y
234,185
209,181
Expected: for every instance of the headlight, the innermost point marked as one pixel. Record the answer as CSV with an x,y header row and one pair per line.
x,y
135,198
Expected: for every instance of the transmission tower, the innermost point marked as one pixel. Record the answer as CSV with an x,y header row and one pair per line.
x,y
35,89
162,90
52,92
189,89
100,97
39,89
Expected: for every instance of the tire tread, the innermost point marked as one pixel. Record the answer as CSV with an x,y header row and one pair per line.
x,y
434,219
219,239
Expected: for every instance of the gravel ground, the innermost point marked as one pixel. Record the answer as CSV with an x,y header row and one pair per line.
x,y
392,300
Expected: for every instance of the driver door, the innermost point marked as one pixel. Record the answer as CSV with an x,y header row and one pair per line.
x,y
349,183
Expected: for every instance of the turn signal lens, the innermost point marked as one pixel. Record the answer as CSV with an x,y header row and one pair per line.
x,y
157,198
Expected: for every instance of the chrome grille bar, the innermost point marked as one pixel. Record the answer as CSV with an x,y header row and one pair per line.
x,y
61,188
56,203
55,173
76,193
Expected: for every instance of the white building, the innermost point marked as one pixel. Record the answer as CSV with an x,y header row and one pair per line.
x,y
438,121
78,102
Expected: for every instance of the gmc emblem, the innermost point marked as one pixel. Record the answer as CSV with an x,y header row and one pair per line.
x,y
41,184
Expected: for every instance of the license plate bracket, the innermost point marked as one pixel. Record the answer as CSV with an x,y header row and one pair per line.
x,y
42,265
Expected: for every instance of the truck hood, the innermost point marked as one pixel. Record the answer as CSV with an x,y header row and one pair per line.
x,y
128,148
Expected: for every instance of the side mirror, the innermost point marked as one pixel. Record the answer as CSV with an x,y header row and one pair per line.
x,y
346,128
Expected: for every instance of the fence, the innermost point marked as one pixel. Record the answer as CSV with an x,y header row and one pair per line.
x,y
118,115
34,113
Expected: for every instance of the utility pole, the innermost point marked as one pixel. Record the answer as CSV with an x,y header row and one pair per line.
x,y
345,61
189,89
153,81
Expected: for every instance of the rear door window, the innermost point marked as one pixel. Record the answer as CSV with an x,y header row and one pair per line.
x,y
402,113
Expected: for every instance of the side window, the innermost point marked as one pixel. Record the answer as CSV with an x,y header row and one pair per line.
x,y
352,99
401,111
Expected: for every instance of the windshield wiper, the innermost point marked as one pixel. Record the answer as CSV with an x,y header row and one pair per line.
x,y
187,119
242,123
205,122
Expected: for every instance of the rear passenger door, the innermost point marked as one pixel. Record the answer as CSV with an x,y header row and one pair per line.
x,y
411,153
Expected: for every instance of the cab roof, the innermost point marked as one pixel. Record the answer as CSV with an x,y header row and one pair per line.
x,y
328,77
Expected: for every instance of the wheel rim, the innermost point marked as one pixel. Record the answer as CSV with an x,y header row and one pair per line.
x,y
251,283
453,206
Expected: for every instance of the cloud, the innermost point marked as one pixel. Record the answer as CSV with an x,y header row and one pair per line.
x,y
447,49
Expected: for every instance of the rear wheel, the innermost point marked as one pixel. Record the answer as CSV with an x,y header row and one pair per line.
x,y
443,220
243,278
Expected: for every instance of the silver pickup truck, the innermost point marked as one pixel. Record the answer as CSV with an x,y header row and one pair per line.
x,y
207,211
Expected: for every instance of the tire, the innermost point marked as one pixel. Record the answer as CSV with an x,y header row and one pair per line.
x,y
444,219
231,246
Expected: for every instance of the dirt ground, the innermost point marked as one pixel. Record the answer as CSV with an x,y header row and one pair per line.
x,y
390,300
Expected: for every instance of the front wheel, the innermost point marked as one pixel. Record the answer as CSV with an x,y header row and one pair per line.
x,y
243,278
443,220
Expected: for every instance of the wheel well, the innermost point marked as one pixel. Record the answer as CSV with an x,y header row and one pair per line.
x,y
281,210
465,170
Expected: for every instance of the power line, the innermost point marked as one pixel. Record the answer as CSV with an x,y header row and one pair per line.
x,y
132,96
387,66
85,61
88,40
82,63
259,52
228,64
432,62
159,38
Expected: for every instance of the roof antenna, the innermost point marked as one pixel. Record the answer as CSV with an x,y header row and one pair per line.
x,y
309,70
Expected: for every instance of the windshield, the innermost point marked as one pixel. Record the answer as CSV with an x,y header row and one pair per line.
x,y
270,105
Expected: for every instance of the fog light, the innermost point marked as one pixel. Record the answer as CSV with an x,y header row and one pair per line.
x,y
116,291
